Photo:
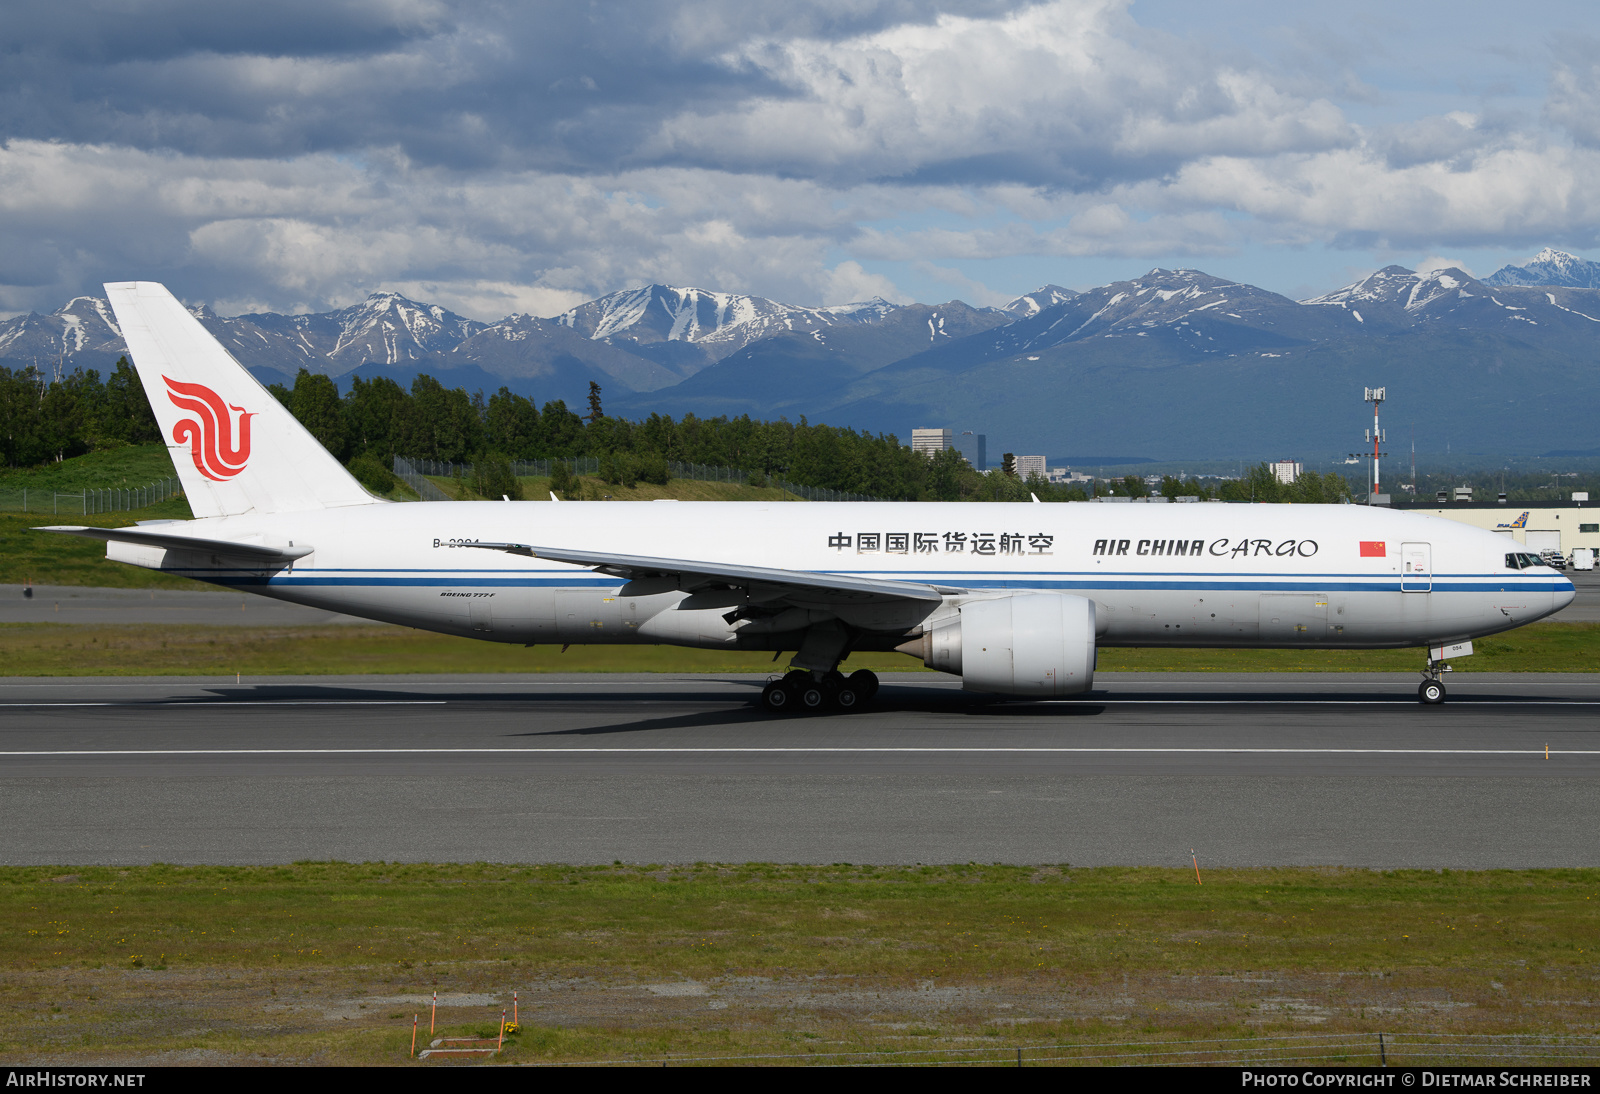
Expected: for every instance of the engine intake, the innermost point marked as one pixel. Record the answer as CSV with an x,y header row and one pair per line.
x,y
1037,645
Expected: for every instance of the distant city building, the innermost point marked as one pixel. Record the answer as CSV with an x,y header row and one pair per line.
x,y
1066,475
975,447
1286,471
930,442
1028,466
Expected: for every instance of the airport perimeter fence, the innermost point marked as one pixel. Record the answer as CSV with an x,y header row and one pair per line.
x,y
86,502
1297,1050
414,474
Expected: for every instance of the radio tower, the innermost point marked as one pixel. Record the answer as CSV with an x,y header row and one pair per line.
x,y
1375,396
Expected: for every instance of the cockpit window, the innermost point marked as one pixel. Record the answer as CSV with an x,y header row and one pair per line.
x,y
1520,561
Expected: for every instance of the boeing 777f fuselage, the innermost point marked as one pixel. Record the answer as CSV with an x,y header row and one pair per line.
x,y
1014,598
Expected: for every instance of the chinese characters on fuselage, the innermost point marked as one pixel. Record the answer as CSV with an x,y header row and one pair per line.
x,y
933,543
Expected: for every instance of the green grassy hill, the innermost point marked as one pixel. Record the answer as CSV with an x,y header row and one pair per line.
x,y
128,467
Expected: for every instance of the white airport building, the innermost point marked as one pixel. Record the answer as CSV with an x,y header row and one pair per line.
x,y
1540,526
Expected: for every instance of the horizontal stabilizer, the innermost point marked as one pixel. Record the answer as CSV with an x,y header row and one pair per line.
x,y
173,542
689,575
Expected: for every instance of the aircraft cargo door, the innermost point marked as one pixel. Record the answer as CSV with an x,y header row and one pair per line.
x,y
1416,567
1293,619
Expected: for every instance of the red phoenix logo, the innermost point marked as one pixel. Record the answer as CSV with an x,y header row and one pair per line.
x,y
210,433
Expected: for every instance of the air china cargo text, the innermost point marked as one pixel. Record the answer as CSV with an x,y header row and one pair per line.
x,y
1220,548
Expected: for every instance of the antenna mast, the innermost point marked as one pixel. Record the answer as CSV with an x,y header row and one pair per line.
x,y
1375,396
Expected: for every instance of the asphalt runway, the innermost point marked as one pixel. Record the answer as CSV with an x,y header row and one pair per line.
x,y
1247,770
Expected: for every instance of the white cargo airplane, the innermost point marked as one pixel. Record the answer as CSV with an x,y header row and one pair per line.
x,y
1013,598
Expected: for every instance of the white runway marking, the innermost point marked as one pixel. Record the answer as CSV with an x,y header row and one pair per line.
x,y
181,703
805,750
1458,701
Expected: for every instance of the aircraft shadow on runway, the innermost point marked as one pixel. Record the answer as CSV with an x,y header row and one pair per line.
x,y
888,701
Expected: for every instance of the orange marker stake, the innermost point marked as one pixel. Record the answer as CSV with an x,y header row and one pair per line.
x,y
502,1043
414,1019
513,1008
433,1014
1196,862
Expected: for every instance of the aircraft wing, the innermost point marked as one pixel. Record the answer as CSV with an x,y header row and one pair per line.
x,y
763,583
184,543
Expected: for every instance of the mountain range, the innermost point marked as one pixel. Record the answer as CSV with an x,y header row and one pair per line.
x,y
1174,364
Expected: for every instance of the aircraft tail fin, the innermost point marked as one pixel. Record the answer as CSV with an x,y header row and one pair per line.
x,y
237,449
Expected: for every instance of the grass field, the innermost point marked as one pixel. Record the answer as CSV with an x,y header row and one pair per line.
x,y
131,466
48,649
41,558
328,962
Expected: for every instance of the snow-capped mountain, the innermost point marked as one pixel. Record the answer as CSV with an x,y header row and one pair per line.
x,y
1207,314
718,322
1395,298
1550,267
1031,304
1183,349
83,333
529,348
385,328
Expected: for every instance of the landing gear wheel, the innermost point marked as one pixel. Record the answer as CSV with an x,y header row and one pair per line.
x,y
847,698
778,698
812,697
865,681
1431,692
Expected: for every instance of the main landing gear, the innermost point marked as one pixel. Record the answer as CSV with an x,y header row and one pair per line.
x,y
1431,691
813,692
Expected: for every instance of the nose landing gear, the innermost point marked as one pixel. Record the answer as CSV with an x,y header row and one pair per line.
x,y
1431,691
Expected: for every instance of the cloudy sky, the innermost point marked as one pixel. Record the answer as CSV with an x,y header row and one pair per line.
x,y
508,156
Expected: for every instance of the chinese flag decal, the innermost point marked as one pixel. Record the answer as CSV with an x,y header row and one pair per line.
x,y
1372,549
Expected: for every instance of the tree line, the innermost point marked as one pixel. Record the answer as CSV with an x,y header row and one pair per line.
x,y
44,419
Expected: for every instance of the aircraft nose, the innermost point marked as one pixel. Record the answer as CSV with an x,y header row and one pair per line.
x,y
1563,595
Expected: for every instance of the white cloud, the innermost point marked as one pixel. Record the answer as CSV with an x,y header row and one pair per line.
x,y
525,162
1534,190
1067,92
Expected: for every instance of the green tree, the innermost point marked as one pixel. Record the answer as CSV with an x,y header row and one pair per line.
x,y
375,414
493,477
561,431
511,425
944,476
315,403
563,481
126,415
369,472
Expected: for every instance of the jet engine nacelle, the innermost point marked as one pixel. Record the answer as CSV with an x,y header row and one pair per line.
x,y
1039,645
